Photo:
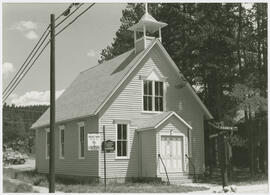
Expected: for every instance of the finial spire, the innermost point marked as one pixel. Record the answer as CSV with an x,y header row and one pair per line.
x,y
146,8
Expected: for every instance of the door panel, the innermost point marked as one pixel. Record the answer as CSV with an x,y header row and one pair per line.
x,y
172,153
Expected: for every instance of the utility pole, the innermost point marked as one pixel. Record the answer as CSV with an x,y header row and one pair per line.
x,y
104,141
52,109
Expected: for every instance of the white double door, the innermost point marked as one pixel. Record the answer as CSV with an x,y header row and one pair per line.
x,y
172,153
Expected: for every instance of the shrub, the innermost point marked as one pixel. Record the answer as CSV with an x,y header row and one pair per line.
x,y
22,187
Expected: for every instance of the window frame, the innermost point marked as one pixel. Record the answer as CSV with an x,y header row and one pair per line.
x,y
116,139
61,129
81,124
153,96
159,96
47,155
148,95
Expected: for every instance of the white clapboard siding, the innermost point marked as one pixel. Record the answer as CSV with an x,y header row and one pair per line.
x,y
127,104
71,164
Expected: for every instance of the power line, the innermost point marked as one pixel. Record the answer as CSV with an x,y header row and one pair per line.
x,y
68,15
23,67
22,75
12,88
27,58
64,13
75,19
42,42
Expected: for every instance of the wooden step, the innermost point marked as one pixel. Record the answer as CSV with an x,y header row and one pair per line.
x,y
178,179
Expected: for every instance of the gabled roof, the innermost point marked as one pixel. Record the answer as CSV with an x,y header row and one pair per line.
x,y
156,120
92,88
89,90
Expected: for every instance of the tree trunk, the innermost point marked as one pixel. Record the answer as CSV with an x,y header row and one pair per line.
x,y
239,39
251,138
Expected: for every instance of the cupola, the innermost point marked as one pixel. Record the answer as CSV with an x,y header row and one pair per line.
x,y
146,25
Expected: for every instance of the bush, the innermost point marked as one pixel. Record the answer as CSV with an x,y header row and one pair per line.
x,y
9,186
33,177
38,181
24,188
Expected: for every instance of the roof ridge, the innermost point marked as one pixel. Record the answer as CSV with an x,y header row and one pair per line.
x,y
106,62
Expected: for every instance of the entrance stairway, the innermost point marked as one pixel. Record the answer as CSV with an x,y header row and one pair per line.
x,y
178,179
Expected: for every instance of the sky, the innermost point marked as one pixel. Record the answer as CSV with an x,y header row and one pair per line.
x,y
77,48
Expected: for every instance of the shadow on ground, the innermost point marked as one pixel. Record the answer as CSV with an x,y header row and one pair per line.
x,y
239,176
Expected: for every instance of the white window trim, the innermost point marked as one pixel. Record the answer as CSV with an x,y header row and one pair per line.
x,y
128,148
153,111
80,124
47,156
61,128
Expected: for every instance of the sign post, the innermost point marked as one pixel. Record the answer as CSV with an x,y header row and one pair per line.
x,y
104,140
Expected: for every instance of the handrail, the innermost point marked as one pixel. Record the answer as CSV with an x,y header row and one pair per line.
x,y
168,181
193,166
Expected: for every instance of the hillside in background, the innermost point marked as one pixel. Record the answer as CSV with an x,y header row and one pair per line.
x,y
17,121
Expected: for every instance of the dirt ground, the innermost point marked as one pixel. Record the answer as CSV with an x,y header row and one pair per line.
x,y
252,188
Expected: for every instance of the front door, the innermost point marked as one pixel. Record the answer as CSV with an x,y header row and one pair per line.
x,y
172,153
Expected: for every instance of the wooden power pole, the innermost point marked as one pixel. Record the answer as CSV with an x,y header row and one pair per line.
x,y
52,109
104,142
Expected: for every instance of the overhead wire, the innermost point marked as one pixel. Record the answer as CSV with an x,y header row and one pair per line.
x,y
42,42
28,57
23,67
75,19
20,77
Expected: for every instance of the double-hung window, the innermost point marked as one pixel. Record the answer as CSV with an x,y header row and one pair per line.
x,y
62,142
47,143
147,95
153,95
81,140
122,140
158,96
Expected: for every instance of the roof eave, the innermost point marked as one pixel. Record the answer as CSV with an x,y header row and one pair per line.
x,y
163,121
167,117
127,75
208,114
61,121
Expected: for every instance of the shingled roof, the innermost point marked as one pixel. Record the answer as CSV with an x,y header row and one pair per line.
x,y
91,87
88,93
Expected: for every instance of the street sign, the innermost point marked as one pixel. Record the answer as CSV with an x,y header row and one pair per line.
x,y
93,141
109,145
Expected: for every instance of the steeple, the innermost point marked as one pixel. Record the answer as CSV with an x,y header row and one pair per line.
x,y
147,24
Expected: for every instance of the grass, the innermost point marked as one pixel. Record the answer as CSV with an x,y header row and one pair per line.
x,y
128,188
31,177
34,178
239,177
9,186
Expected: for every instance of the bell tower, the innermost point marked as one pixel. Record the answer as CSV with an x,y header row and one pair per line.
x,y
146,25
